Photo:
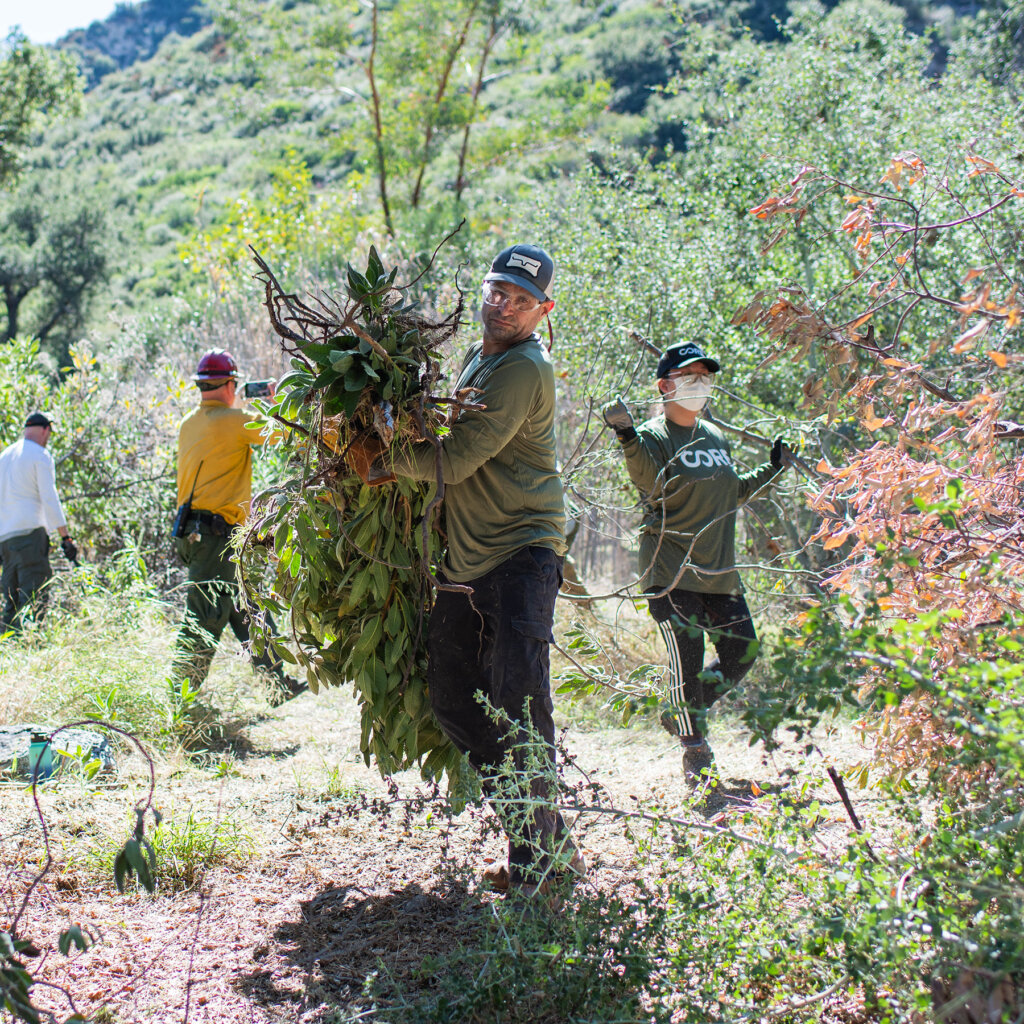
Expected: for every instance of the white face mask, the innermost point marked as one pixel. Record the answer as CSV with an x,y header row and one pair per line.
x,y
691,395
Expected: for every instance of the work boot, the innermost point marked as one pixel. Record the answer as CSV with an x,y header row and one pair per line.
x,y
495,877
286,689
546,896
576,870
549,894
698,763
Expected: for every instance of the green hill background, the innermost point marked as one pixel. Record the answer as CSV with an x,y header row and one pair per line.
x,y
191,109
632,138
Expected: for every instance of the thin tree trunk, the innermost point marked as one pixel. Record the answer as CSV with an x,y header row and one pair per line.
x,y
442,88
460,178
12,302
382,169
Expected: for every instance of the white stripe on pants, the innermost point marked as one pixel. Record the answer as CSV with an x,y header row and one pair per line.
x,y
676,695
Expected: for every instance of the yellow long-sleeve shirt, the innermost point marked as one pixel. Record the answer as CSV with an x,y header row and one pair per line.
x,y
215,451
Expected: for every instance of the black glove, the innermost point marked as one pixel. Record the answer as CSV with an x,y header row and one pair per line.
x,y
67,545
781,454
617,416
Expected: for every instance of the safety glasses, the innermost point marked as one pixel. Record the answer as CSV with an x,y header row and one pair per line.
x,y
496,296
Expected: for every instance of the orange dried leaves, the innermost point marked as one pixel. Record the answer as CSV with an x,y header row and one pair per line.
x,y
945,501
861,221
905,169
788,203
979,165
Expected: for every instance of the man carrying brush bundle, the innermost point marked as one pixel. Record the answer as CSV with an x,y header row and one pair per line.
x,y
505,521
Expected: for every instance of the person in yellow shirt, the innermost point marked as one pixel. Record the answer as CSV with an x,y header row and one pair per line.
x,y
215,444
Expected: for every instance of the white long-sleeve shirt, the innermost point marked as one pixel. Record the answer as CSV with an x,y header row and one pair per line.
x,y
28,490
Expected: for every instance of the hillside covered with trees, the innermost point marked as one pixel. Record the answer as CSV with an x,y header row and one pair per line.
x,y
826,196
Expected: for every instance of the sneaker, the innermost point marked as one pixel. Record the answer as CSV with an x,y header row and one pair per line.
x,y
285,690
698,762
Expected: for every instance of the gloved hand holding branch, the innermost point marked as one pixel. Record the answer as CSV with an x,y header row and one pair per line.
x,y
617,416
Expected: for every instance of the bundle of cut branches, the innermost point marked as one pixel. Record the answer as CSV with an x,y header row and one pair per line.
x,y
349,566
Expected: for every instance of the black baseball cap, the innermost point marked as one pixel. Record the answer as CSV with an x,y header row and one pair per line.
x,y
38,419
528,266
677,356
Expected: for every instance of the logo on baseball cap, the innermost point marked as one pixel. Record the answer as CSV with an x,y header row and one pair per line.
x,y
528,266
677,356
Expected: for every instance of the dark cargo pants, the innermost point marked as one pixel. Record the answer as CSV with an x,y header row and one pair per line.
x,y
210,605
496,642
26,568
684,616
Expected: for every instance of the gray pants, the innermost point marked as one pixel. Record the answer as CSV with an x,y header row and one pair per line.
x,y
26,568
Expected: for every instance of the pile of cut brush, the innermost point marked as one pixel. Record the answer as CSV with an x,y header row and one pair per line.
x,y
347,567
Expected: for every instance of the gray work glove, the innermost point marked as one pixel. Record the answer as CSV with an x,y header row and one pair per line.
x,y
617,416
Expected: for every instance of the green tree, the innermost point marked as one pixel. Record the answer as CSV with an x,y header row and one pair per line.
x,y
34,84
114,447
308,234
52,259
415,78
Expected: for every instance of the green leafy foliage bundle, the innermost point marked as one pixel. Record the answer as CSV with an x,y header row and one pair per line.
x,y
351,564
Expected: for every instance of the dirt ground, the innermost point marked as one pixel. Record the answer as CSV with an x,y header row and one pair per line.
x,y
330,891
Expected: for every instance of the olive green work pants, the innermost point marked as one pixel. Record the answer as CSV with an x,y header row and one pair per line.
x,y
210,605
26,569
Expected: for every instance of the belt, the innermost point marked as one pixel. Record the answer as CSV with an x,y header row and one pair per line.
x,y
214,523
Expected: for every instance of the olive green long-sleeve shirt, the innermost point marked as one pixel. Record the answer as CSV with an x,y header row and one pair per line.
x,y
690,491
502,488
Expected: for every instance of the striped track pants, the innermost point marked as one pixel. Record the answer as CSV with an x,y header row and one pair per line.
x,y
684,618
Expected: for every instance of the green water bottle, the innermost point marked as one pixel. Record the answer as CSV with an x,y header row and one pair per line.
x,y
40,757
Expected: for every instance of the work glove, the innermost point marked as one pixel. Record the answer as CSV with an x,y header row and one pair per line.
x,y
617,416
781,455
67,545
364,457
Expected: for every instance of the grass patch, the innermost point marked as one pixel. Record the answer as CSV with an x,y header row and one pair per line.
x,y
186,849
97,655
103,652
331,782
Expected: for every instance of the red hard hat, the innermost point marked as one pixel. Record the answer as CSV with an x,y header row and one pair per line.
x,y
216,365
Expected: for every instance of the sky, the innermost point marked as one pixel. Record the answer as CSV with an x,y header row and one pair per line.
x,y
45,21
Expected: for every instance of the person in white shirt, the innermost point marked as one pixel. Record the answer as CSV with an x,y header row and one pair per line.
x,y
29,510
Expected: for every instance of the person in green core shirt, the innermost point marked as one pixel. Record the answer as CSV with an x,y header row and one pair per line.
x,y
682,466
